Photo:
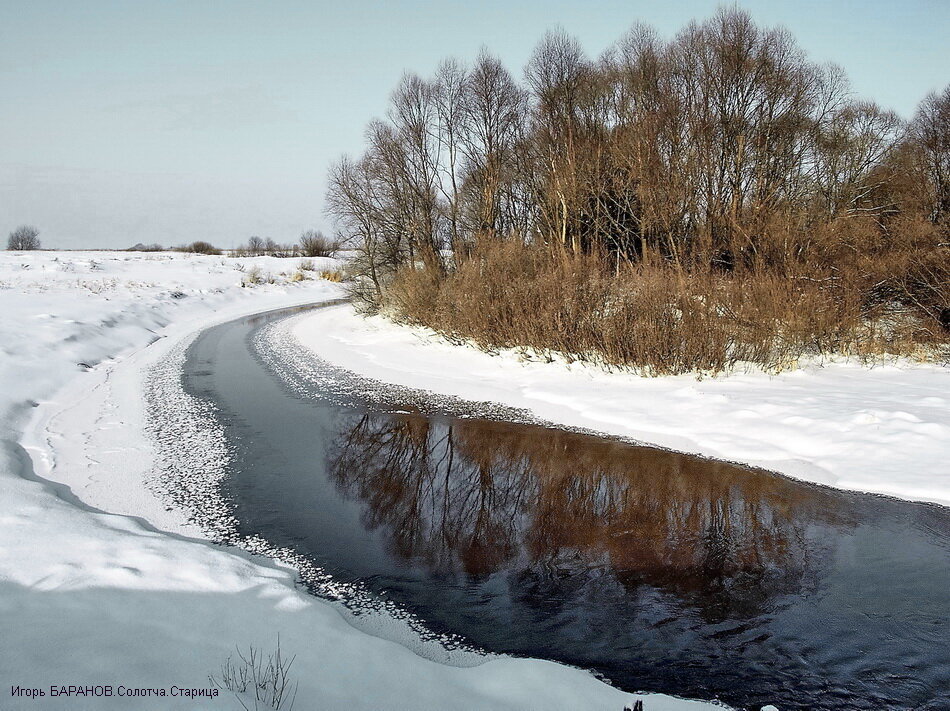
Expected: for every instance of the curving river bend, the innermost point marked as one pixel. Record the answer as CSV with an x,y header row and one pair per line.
x,y
658,571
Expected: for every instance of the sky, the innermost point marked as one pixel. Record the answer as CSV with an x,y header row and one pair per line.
x,y
169,121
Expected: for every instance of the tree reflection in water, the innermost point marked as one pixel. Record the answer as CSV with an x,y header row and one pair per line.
x,y
473,497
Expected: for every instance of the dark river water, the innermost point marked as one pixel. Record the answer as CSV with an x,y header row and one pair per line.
x,y
658,571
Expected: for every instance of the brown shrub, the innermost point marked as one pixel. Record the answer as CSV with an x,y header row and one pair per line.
x,y
199,247
662,319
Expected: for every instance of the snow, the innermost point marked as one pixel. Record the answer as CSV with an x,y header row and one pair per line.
x,y
101,584
881,429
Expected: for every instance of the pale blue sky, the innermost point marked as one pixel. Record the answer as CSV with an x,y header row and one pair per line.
x,y
167,121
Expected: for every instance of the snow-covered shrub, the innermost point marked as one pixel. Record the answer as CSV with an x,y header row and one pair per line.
x,y
256,275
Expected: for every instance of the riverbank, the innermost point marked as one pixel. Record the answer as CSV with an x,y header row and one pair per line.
x,y
880,430
102,586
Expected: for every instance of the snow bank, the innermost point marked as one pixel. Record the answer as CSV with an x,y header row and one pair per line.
x,y
101,586
882,430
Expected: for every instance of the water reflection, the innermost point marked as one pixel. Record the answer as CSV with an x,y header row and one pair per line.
x,y
471,498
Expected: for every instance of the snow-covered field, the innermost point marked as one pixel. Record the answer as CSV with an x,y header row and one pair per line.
x,y
101,586
884,430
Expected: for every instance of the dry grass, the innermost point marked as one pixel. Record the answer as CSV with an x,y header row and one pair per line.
x,y
662,319
255,275
332,275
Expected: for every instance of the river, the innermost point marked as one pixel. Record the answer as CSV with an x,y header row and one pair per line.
x,y
658,571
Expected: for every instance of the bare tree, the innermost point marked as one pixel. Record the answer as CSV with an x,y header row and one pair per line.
x,y
854,140
930,132
255,246
556,75
410,155
24,237
449,96
494,107
355,201
313,243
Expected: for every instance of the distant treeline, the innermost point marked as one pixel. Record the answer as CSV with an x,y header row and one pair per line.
x,y
312,243
713,166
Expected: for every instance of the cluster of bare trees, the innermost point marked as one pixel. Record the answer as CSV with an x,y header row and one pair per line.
x,y
674,204
721,148
443,168
312,243
24,237
260,246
